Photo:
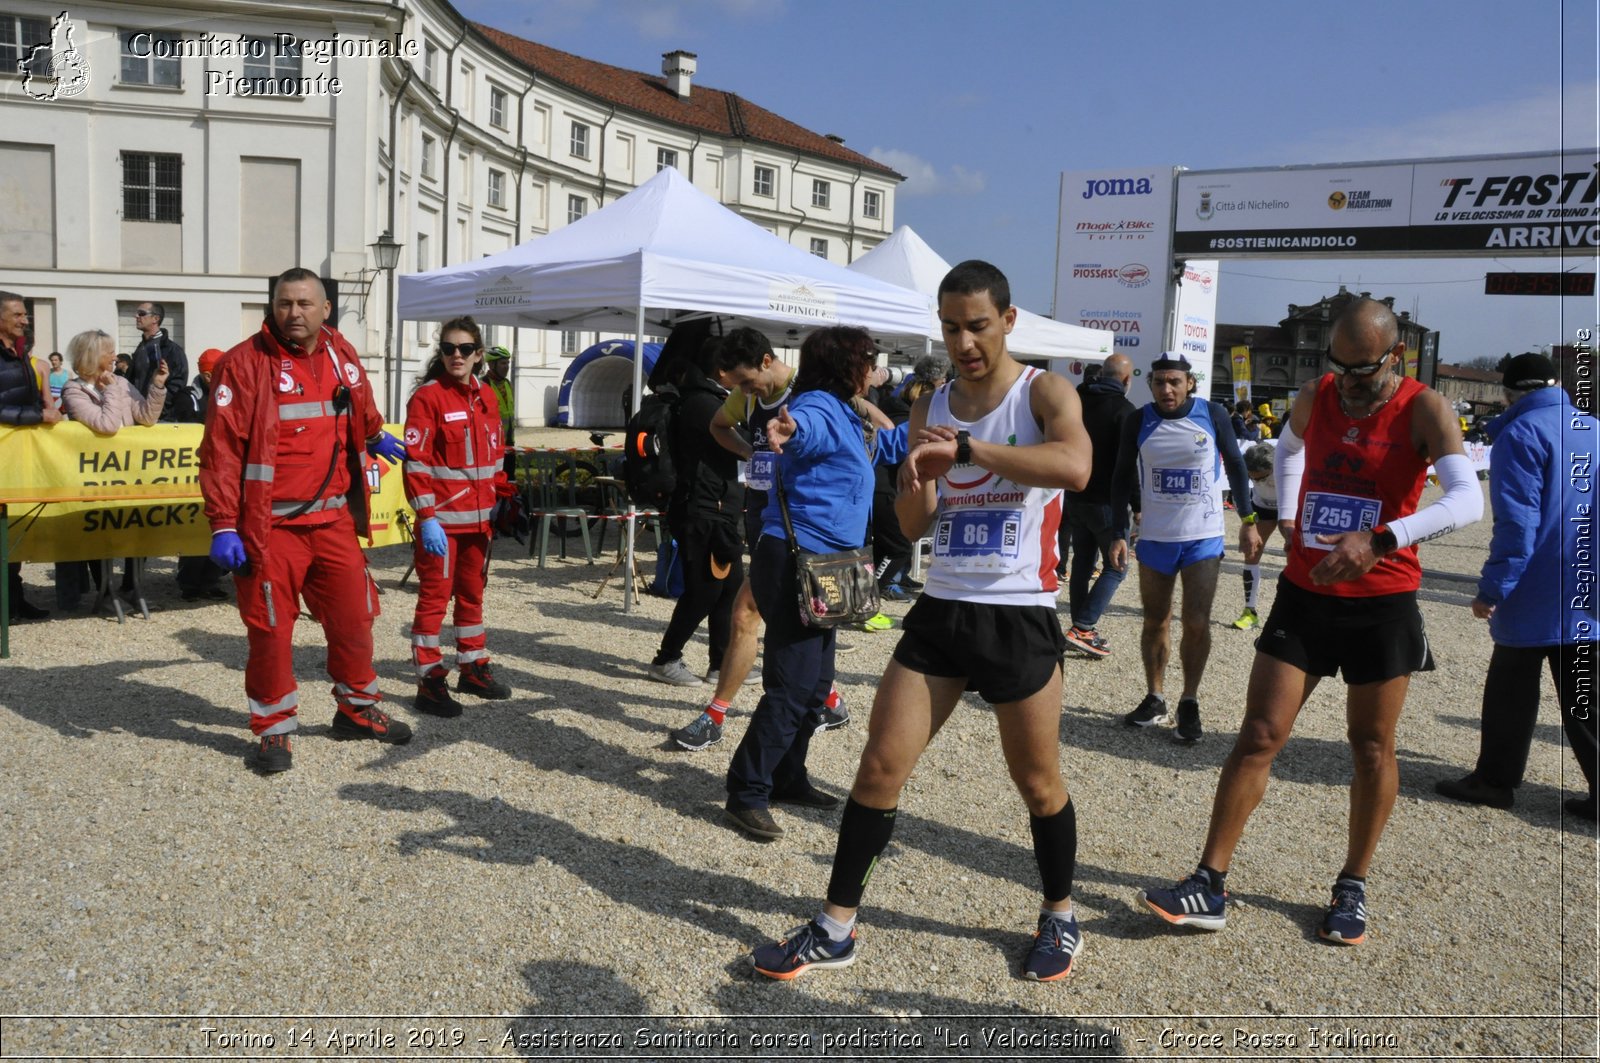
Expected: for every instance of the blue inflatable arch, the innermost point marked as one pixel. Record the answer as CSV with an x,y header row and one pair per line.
x,y
595,384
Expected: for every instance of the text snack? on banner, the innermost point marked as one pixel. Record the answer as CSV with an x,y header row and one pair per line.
x,y
68,456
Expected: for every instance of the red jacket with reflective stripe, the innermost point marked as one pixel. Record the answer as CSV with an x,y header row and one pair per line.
x,y
454,454
238,453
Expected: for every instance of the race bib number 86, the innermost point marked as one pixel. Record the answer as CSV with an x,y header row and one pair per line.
x,y
978,540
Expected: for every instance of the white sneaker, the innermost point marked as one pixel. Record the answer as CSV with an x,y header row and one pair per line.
x,y
675,673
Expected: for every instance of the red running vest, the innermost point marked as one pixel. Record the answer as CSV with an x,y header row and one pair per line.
x,y
1359,474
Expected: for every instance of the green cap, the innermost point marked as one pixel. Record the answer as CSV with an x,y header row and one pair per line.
x,y
496,354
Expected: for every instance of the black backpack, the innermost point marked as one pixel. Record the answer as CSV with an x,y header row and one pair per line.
x,y
647,467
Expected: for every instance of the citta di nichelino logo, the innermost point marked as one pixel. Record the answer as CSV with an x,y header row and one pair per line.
x,y
55,69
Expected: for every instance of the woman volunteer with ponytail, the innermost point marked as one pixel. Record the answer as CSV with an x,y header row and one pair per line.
x,y
453,475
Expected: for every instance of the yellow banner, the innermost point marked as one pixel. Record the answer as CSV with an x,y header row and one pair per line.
x,y
1241,374
69,461
1413,361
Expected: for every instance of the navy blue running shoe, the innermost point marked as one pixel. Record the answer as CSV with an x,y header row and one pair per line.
x,y
1346,920
1056,944
1189,903
801,949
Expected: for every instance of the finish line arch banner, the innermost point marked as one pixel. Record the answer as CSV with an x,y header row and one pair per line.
x,y
68,455
1536,204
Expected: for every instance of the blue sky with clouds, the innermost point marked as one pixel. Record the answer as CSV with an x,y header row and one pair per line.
x,y
983,105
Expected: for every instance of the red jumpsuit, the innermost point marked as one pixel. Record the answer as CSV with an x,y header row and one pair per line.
x,y
285,428
454,472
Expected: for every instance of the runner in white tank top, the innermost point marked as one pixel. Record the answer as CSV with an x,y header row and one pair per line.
x,y
994,541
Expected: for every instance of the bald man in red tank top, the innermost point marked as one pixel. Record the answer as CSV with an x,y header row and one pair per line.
x,y
1350,469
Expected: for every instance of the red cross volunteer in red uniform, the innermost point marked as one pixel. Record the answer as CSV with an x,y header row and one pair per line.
x,y
282,469
454,475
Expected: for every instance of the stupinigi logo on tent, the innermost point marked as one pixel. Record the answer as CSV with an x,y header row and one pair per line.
x,y
507,291
802,301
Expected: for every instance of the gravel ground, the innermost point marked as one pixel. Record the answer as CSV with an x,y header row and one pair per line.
x,y
551,858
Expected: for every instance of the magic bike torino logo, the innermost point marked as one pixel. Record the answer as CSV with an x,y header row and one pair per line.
x,y
55,70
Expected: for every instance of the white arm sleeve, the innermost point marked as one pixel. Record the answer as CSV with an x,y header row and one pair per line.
x,y
1288,463
1461,505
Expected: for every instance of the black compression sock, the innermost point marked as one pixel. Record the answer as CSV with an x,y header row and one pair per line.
x,y
863,835
1055,848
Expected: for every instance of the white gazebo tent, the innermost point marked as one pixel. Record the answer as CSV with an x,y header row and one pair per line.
x,y
662,253
906,259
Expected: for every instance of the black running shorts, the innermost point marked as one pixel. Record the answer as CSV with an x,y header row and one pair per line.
x,y
1005,652
1367,639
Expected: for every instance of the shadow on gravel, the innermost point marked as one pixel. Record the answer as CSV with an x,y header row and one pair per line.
x,y
498,832
763,1020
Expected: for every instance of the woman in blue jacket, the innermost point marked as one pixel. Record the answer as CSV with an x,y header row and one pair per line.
x,y
826,474
1537,589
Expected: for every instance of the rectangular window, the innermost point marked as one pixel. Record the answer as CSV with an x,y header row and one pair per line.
x,y
872,204
140,62
152,186
422,252
272,67
18,35
819,247
580,140
577,207
666,157
766,178
430,63
569,342
820,193
497,107
428,154
497,188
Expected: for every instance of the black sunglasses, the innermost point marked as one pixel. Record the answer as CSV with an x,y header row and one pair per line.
x,y
467,349
1340,369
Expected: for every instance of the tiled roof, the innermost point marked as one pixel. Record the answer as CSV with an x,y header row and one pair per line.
x,y
712,110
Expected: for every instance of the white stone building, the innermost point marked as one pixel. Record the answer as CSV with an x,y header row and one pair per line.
x,y
193,150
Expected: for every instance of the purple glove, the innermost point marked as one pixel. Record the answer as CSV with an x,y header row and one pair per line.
x,y
432,533
387,447
227,550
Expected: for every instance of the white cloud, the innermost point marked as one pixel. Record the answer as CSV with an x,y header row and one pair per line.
x,y
924,179
1540,122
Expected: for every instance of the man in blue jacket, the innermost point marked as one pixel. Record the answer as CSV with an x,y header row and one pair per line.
x,y
1537,589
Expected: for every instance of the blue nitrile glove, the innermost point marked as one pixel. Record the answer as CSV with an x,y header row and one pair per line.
x,y
387,447
433,540
227,550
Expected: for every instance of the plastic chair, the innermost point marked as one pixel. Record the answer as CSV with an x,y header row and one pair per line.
x,y
553,494
614,502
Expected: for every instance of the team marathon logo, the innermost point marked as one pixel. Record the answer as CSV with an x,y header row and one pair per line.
x,y
1359,199
55,70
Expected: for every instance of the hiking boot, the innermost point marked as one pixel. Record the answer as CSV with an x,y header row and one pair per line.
x,y
1188,731
754,821
801,949
1189,903
1151,711
274,754
1056,944
675,673
1247,619
433,697
477,679
1088,642
700,734
1346,920
1474,791
371,723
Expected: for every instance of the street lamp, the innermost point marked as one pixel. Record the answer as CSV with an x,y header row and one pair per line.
x,y
386,254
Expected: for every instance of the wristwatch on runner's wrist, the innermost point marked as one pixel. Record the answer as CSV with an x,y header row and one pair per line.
x,y
1383,541
963,448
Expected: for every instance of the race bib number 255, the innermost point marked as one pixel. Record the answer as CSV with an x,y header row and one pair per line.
x,y
1325,513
